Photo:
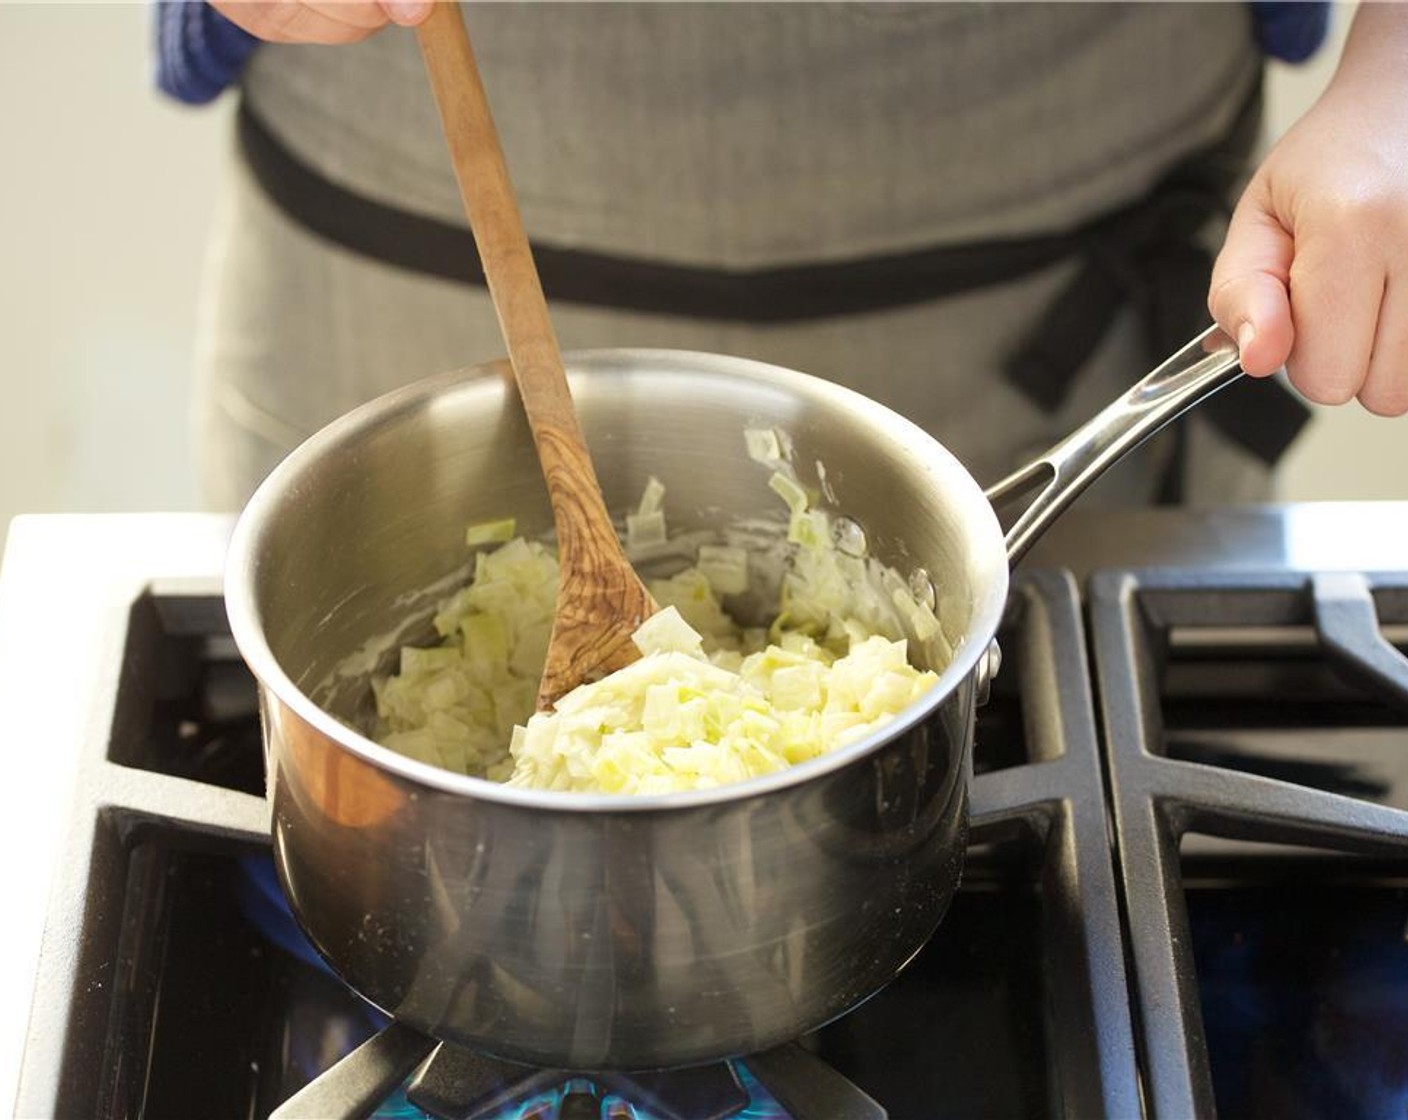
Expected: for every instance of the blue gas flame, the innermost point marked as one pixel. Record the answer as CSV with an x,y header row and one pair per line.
x,y
762,1105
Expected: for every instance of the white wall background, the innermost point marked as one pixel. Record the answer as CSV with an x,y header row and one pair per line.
x,y
104,199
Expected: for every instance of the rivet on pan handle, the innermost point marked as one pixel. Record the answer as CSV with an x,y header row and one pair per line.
x,y
1201,368
988,666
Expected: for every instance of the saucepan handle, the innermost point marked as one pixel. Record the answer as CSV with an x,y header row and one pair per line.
x,y
1201,368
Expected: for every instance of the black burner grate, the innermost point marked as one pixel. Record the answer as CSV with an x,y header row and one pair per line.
x,y
1323,642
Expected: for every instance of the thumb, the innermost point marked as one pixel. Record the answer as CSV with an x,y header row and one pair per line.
x,y
1249,296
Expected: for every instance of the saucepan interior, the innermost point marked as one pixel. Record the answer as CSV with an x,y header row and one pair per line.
x,y
361,530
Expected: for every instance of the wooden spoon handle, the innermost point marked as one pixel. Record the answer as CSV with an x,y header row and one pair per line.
x,y
522,310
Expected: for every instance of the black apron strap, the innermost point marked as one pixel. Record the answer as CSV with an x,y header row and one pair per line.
x,y
766,295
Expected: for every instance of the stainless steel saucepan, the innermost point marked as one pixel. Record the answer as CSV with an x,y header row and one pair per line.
x,y
610,932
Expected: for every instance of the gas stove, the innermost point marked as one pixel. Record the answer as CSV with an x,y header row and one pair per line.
x,y
1186,889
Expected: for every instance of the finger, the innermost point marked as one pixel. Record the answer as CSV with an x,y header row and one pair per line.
x,y
1385,389
327,22
407,13
366,14
1337,287
286,21
1248,296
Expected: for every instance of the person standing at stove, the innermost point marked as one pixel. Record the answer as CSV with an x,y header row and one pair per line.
x,y
991,218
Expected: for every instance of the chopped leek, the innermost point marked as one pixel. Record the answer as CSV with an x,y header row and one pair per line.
x,y
491,532
707,703
790,492
644,529
652,500
725,567
763,445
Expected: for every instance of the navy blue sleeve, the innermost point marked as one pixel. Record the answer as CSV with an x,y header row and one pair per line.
x,y
198,51
1291,30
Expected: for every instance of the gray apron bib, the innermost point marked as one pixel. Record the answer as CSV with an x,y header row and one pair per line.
x,y
737,138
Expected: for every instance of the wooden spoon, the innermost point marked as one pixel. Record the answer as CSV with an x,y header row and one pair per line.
x,y
600,599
